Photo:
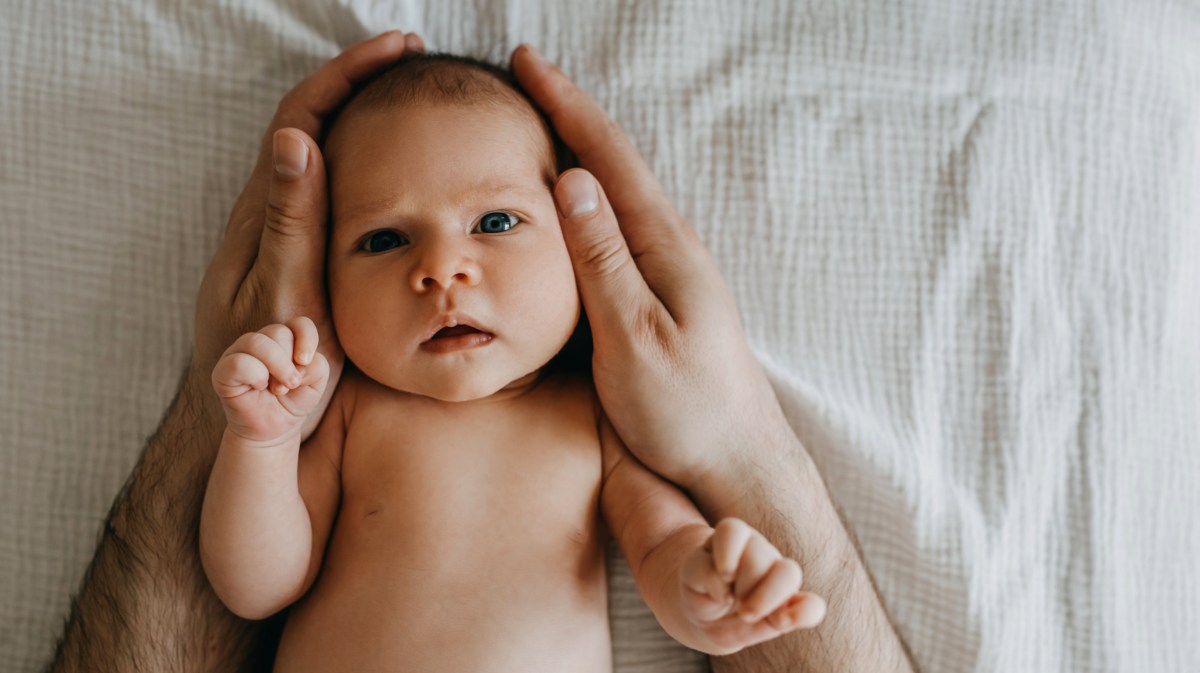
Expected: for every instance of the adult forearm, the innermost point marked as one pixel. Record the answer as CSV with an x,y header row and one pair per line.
x,y
144,604
787,501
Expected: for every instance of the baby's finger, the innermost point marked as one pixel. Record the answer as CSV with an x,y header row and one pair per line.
x,y
304,331
268,350
699,576
801,611
236,373
756,562
781,582
316,374
729,540
283,335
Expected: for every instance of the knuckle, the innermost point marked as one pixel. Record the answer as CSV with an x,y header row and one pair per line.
x,y
244,342
260,342
731,523
604,255
278,332
282,213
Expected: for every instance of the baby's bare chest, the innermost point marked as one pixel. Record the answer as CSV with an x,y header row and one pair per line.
x,y
521,478
481,528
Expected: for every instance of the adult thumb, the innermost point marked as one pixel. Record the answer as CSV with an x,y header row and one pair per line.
x,y
292,249
611,286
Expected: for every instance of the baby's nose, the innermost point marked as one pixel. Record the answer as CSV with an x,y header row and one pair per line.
x,y
442,266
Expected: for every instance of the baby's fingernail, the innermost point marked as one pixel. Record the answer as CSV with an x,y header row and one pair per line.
x,y
305,357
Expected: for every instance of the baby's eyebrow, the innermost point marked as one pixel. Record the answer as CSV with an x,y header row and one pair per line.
x,y
364,214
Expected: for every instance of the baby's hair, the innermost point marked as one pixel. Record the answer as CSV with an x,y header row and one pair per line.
x,y
440,78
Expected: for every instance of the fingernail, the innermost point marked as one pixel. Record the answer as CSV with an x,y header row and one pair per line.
x,y
291,155
305,357
577,194
413,42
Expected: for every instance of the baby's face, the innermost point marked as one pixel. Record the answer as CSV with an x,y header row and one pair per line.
x,y
443,210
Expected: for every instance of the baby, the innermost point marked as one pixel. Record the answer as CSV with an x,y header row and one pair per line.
x,y
447,512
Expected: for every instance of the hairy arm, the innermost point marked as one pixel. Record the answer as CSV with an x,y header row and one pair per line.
x,y
787,500
682,387
145,604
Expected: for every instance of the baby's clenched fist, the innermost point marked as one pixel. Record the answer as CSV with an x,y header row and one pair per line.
x,y
270,380
738,590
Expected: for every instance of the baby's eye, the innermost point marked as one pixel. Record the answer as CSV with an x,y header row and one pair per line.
x,y
497,223
381,241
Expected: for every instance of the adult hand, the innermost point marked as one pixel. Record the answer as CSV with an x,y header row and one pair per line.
x,y
680,386
269,266
127,613
671,363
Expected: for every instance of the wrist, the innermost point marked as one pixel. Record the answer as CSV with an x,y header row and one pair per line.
x,y
287,440
767,460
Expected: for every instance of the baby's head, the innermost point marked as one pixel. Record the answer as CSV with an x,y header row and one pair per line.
x,y
440,178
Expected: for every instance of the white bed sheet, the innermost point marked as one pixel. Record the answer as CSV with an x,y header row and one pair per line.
x,y
963,237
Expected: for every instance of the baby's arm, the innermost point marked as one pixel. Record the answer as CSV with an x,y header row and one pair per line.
x,y
270,503
715,590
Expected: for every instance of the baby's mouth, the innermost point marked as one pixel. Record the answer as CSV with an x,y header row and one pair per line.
x,y
457,330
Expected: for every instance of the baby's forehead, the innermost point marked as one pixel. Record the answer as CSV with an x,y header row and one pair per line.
x,y
518,120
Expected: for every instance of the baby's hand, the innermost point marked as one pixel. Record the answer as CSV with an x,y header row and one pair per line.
x,y
738,590
265,395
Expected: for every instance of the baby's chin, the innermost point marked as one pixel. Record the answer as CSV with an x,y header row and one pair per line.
x,y
461,389
453,391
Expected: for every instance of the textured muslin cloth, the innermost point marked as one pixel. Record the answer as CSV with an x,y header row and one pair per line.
x,y
963,237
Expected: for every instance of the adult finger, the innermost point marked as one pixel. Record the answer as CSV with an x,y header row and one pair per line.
x,y
304,108
664,246
598,142
613,290
291,251
308,104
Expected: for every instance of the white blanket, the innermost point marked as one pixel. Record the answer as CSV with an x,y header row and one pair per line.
x,y
962,235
